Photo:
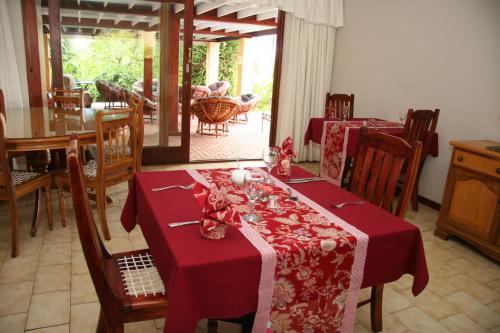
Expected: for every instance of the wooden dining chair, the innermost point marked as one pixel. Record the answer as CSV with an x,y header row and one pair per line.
x,y
16,184
127,284
335,104
69,102
420,125
377,168
2,103
137,104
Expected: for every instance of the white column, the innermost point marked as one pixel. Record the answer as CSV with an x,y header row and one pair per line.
x,y
212,73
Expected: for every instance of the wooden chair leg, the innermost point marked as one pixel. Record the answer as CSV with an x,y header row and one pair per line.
x,y
212,326
101,324
108,326
376,307
36,213
62,204
48,207
101,208
14,220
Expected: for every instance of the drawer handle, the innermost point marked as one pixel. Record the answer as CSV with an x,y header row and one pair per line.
x,y
498,170
460,158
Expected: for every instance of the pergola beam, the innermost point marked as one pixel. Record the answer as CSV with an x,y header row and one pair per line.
x,y
225,10
208,6
254,11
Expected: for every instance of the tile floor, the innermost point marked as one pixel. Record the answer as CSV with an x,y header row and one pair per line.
x,y
48,288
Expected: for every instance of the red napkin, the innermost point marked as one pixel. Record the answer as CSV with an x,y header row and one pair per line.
x,y
286,155
216,209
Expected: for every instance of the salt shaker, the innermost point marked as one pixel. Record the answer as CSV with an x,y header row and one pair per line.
x,y
273,202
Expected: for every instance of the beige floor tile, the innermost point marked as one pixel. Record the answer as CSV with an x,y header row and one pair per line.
x,y
484,294
84,317
417,321
82,289
15,298
433,305
48,309
141,327
52,329
390,323
13,323
441,287
495,285
495,330
159,323
474,309
480,274
118,244
52,278
76,245
461,323
359,328
78,263
18,270
58,235
495,306
394,301
55,254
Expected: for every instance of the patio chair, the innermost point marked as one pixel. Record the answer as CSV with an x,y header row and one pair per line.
x,y
219,88
68,102
111,93
247,102
420,125
378,165
69,84
16,184
336,102
138,88
214,111
149,108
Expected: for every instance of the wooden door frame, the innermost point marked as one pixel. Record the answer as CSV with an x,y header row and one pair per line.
x,y
163,154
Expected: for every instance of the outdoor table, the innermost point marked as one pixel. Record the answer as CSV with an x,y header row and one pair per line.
x,y
315,127
220,279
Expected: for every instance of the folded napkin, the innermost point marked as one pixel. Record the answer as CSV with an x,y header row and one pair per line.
x,y
216,209
285,157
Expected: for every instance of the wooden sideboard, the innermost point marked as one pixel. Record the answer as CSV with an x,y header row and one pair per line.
x,y
471,202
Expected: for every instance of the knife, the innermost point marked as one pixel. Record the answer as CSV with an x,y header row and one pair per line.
x,y
303,180
180,224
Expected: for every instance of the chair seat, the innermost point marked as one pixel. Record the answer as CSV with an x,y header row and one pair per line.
x,y
139,275
20,177
92,149
90,169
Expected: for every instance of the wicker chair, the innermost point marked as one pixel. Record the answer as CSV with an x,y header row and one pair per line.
x,y
150,108
70,84
214,111
111,93
219,88
247,102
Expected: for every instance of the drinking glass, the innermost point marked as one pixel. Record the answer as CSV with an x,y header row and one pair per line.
x,y
270,157
402,116
345,112
252,186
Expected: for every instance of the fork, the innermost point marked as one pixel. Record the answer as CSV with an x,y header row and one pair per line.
x,y
342,204
183,187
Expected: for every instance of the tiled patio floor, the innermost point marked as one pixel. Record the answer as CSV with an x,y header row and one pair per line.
x,y
48,288
245,140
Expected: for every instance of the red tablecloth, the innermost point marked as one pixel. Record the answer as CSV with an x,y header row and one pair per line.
x,y
219,279
315,131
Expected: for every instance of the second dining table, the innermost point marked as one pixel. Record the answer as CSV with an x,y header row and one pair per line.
x,y
226,278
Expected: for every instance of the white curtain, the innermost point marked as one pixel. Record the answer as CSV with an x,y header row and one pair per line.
x,y
12,56
306,75
329,12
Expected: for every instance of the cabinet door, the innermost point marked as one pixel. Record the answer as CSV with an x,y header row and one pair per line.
x,y
474,204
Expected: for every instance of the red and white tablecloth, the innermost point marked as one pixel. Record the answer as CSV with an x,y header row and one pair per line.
x,y
314,278
334,144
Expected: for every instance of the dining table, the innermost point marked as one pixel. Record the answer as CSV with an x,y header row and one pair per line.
x,y
231,277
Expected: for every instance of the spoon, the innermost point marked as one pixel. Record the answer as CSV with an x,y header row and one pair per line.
x,y
184,187
291,196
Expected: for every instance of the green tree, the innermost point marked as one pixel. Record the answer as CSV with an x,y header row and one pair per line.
x,y
228,56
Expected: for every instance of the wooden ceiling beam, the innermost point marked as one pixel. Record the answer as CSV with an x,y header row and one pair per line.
x,y
115,8
234,19
88,22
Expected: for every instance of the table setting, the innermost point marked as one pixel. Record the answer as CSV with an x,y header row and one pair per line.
x,y
228,242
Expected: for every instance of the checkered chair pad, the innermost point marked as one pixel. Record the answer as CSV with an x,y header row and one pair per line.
x,y
20,177
92,149
140,276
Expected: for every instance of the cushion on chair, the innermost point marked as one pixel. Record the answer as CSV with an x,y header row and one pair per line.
x,y
20,177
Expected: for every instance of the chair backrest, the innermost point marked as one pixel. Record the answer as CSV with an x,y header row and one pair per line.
x,y
2,103
5,175
335,103
116,144
137,104
68,101
215,109
378,167
421,125
94,251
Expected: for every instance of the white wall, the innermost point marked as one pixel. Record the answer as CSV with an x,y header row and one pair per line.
x,y
400,54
